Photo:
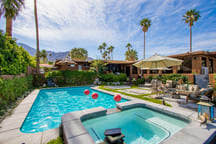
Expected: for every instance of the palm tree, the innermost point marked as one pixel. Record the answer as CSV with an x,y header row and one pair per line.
x,y
43,55
79,54
145,23
110,51
190,17
1,12
131,55
11,9
37,38
128,46
102,49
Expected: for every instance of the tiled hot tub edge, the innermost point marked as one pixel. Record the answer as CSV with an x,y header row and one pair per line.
x,y
73,129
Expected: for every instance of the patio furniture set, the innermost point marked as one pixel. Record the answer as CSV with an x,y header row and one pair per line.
x,y
173,90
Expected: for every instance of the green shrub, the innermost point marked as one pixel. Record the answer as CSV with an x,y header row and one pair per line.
x,y
164,78
69,78
11,90
13,58
113,77
56,141
140,81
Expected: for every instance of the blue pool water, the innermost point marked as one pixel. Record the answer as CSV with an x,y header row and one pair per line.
x,y
139,125
51,104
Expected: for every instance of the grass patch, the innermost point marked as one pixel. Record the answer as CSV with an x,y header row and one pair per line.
x,y
56,141
142,96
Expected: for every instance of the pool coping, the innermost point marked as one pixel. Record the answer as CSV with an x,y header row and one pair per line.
x,y
75,133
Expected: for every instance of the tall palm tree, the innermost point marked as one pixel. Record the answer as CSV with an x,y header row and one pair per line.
x,y
1,11
145,23
190,17
11,9
37,38
110,51
128,46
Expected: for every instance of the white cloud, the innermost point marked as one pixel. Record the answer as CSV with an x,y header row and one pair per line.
x,y
87,23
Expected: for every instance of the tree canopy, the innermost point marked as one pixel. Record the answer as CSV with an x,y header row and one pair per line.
x,y
106,52
79,53
14,59
130,54
191,16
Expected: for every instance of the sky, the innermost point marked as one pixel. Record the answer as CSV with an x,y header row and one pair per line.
x,y
65,24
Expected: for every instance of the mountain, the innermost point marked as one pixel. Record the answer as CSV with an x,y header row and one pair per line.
x,y
31,50
52,56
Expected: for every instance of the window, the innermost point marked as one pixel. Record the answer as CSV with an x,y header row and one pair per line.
x,y
204,62
134,70
72,65
79,67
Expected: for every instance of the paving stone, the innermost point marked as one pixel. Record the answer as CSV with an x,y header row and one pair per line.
x,y
182,138
22,108
73,128
72,116
27,139
9,135
11,124
81,139
50,135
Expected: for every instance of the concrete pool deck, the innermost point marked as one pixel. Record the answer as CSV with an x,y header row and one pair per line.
x,y
10,127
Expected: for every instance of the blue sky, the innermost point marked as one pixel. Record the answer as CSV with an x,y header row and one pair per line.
x,y
65,24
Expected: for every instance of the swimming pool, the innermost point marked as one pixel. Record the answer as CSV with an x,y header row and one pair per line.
x,y
51,104
139,125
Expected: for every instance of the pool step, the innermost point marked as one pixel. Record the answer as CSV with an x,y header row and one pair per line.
x,y
169,126
113,110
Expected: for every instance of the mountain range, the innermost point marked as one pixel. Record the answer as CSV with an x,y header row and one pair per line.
x,y
52,56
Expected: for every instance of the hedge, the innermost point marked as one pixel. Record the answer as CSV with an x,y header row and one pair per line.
x,y
174,77
70,78
11,90
113,77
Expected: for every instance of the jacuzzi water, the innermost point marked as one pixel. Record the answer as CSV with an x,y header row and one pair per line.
x,y
51,104
139,125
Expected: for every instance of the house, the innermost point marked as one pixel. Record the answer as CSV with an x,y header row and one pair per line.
x,y
115,66
196,62
193,63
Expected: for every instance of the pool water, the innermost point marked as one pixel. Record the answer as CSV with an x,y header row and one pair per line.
x,y
51,104
139,125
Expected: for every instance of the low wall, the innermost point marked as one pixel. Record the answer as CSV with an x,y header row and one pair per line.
x,y
12,76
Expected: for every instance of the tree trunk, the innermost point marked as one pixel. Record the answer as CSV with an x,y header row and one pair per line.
x,y
144,47
9,26
190,38
37,38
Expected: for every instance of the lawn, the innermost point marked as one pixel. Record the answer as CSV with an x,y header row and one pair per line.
x,y
142,96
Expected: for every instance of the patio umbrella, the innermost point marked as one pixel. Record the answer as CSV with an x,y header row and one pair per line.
x,y
157,61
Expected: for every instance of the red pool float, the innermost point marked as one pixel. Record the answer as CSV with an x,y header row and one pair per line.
x,y
86,92
117,97
94,95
